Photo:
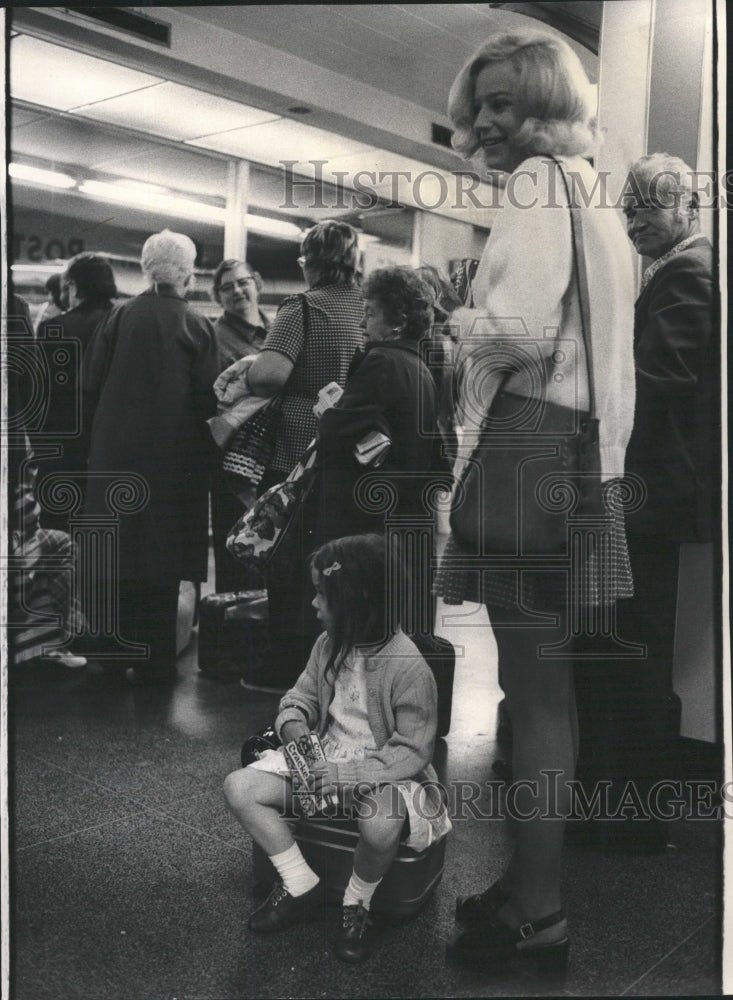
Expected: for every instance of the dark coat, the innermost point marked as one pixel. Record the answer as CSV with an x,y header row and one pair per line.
x,y
674,445
64,412
151,367
392,391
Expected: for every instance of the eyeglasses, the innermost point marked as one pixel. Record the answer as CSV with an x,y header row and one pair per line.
x,y
239,283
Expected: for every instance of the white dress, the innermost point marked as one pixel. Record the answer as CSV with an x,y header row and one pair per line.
x,y
348,736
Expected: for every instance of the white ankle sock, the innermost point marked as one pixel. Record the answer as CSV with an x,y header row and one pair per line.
x,y
359,891
297,875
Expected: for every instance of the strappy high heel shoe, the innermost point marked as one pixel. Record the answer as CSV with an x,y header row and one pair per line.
x,y
481,906
495,947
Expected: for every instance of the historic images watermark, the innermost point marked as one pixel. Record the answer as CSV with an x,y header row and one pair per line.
x,y
666,800
327,188
42,372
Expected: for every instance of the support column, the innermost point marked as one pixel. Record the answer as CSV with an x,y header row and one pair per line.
x,y
623,88
235,225
676,79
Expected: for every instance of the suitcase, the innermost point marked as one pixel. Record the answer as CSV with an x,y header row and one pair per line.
x,y
233,636
440,656
328,846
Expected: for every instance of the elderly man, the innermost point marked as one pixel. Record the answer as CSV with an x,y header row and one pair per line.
x,y
673,452
672,445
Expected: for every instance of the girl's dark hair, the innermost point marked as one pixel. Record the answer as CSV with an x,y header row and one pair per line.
x,y
331,249
358,590
407,300
93,277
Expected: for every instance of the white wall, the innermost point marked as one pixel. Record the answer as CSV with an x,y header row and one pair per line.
x,y
439,240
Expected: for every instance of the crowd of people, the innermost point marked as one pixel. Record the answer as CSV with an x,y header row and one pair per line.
x,y
645,373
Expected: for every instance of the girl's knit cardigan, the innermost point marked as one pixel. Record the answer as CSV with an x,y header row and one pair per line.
x,y
402,708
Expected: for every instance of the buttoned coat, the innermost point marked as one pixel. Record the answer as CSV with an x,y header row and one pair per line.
x,y
674,443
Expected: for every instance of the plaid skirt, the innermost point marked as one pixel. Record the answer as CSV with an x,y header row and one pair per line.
x,y
590,580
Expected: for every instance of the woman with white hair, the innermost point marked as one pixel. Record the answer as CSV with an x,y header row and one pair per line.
x,y
522,105
148,378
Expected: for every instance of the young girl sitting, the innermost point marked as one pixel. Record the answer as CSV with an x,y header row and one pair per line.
x,y
371,698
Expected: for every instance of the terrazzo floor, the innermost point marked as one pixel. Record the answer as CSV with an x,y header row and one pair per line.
x,y
130,881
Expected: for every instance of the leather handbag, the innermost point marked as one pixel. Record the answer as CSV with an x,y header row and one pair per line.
x,y
536,462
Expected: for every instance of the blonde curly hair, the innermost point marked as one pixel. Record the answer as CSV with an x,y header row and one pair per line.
x,y
554,96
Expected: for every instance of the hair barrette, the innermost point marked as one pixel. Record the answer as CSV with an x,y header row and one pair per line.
x,y
331,569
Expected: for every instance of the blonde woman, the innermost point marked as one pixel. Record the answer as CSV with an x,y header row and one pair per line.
x,y
520,104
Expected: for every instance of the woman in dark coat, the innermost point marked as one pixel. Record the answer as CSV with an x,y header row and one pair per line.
x,y
152,367
390,391
89,285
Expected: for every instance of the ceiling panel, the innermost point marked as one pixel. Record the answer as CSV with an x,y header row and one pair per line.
x,y
412,51
390,23
177,167
174,112
281,140
65,140
465,22
60,78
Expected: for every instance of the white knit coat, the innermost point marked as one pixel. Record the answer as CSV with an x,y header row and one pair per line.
x,y
525,294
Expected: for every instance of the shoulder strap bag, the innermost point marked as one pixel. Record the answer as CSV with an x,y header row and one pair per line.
x,y
252,447
536,462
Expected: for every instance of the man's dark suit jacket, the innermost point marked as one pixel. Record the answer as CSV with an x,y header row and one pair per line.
x,y
674,445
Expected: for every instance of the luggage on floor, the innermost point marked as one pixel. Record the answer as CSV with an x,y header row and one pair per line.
x,y
328,846
440,656
233,636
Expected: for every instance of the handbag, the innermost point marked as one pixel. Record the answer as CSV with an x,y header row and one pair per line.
x,y
265,537
536,462
252,447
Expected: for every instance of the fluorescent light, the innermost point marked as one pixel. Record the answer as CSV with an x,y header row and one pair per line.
x,y
273,227
153,199
119,192
44,268
144,187
36,175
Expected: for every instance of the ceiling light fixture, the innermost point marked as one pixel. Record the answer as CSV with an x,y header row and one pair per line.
x,y
36,175
273,227
154,200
